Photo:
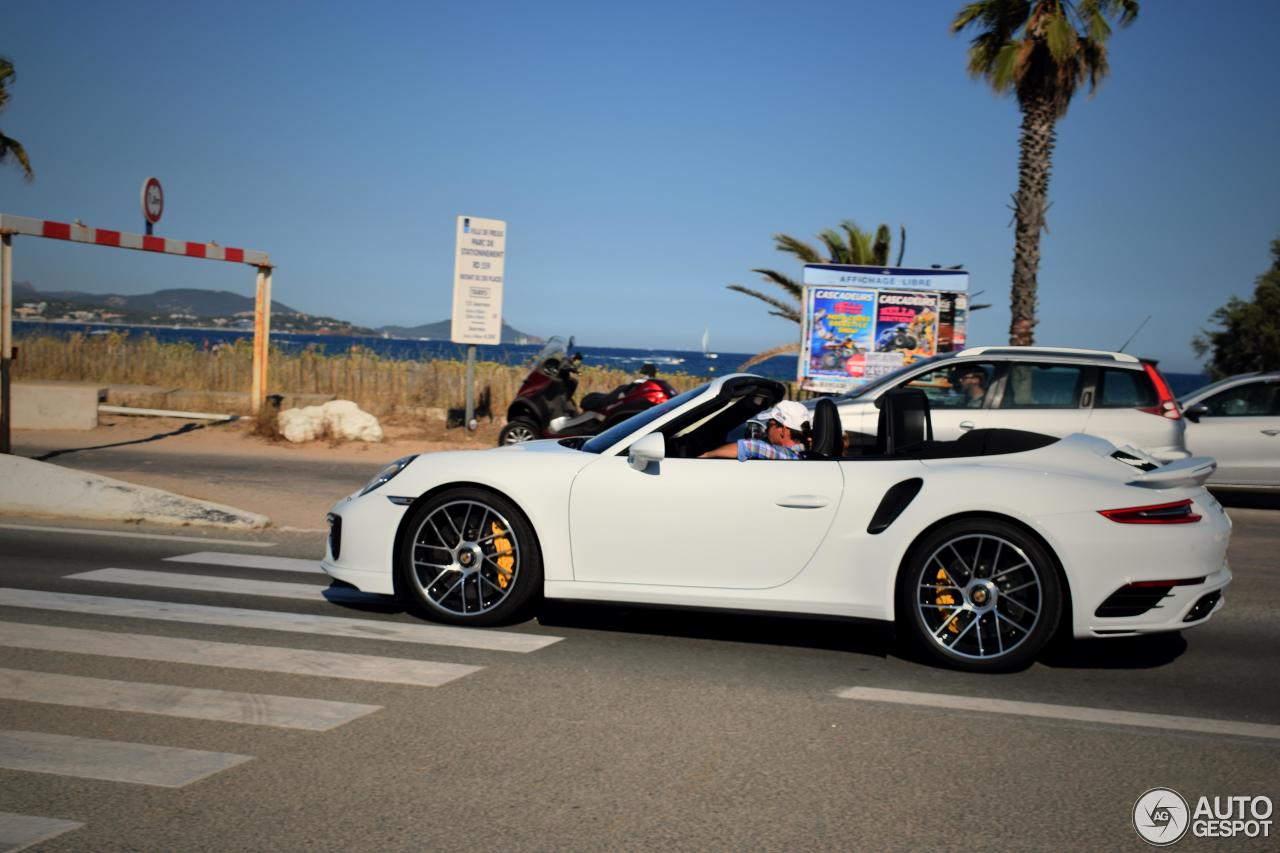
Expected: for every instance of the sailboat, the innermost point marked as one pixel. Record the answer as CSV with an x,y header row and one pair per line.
x,y
706,337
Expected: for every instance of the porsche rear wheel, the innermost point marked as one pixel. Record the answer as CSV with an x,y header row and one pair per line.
x,y
980,595
470,559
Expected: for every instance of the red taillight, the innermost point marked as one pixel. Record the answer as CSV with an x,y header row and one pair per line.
x,y
1178,512
1167,406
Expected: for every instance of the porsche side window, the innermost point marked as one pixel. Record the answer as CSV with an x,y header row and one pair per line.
x,y
1043,386
1250,400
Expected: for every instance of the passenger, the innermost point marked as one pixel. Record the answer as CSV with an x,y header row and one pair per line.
x,y
787,435
973,381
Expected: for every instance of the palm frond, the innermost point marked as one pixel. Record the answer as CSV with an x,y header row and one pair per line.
x,y
785,349
787,283
837,250
880,250
782,309
902,244
9,145
799,248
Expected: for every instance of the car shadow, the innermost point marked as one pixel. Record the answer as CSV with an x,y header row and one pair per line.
x,y
816,632
1142,652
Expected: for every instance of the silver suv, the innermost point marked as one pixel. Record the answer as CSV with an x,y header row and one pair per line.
x,y
1041,389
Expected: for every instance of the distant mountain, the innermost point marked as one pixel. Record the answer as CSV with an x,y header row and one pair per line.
x,y
182,300
442,330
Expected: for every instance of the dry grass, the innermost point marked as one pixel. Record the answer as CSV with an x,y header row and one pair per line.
x,y
387,388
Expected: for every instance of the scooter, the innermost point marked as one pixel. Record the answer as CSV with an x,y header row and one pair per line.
x,y
544,407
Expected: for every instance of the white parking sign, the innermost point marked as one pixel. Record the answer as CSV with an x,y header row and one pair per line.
x,y
478,264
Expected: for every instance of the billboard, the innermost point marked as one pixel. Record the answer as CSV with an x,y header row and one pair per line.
x,y
863,322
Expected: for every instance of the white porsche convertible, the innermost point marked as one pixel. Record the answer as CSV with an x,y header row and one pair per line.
x,y
980,548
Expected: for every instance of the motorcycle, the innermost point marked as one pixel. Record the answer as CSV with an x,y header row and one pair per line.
x,y
544,406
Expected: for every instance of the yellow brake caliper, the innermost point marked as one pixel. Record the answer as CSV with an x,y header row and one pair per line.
x,y
945,598
505,561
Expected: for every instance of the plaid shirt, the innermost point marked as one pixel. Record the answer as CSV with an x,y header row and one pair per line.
x,y
755,448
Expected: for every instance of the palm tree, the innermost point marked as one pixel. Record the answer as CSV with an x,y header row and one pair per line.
x,y
1042,51
9,145
849,245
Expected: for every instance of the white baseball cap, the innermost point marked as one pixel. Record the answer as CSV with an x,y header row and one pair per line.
x,y
789,413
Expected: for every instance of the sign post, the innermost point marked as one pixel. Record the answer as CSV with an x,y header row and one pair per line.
x,y
6,338
152,202
480,249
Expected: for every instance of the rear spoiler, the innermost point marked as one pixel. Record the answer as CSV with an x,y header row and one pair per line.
x,y
1184,472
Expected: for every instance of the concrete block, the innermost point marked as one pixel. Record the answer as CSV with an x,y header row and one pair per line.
x,y
52,404
139,396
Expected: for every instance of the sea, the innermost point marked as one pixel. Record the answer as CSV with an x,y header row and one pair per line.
x,y
668,361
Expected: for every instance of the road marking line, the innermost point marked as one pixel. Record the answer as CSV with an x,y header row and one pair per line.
x,y
20,831
114,761
422,673
212,583
301,623
84,531
249,561
255,709
1072,713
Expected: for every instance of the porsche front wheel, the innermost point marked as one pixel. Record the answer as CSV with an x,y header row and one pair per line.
x,y
980,595
470,559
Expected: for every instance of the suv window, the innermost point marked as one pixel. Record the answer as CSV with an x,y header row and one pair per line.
x,y
1252,399
955,386
1125,389
1043,386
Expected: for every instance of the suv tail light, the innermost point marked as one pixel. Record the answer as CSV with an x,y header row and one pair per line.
x,y
1166,405
1178,512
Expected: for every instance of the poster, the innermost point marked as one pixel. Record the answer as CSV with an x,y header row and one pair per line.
x,y
861,323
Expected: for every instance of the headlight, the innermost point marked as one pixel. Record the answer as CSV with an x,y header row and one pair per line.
x,y
387,473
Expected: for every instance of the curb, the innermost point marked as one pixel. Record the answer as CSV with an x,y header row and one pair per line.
x,y
41,488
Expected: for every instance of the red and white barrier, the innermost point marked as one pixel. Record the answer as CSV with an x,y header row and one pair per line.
x,y
103,237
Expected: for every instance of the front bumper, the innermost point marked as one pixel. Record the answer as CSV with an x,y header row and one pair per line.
x,y
363,529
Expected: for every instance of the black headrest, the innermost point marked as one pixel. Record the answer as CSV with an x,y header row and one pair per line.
x,y
904,420
827,436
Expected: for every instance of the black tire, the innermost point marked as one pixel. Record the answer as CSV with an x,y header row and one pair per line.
x,y
980,595
470,558
518,430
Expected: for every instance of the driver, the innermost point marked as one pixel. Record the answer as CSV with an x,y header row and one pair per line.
x,y
787,435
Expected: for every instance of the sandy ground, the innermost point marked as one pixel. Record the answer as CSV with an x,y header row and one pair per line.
x,y
230,464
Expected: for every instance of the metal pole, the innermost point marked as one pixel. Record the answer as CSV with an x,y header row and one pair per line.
x,y
6,338
471,381
261,337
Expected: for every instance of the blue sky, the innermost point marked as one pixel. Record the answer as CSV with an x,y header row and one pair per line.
x,y
643,156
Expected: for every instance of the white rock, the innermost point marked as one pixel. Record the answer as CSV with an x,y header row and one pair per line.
x,y
340,419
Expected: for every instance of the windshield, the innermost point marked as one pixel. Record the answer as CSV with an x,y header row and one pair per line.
x,y
619,431
555,347
891,378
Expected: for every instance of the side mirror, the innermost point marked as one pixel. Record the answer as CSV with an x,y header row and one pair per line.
x,y
1194,413
651,448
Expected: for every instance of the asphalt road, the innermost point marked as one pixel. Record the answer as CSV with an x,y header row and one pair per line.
x,y
637,729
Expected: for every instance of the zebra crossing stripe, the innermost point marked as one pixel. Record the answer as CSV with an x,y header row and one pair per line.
x,y
249,561
421,673
212,583
299,623
113,761
20,831
286,712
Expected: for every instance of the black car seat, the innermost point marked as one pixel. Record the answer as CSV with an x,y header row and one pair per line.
x,y
904,420
828,440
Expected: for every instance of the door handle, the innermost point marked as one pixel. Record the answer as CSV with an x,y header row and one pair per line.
x,y
803,501
966,425
1271,432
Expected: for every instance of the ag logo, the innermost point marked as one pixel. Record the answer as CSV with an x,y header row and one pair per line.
x,y
1161,816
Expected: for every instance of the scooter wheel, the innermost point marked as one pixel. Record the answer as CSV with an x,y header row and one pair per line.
x,y
517,431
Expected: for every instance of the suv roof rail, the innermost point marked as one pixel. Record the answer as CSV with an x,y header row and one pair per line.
x,y
1096,355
